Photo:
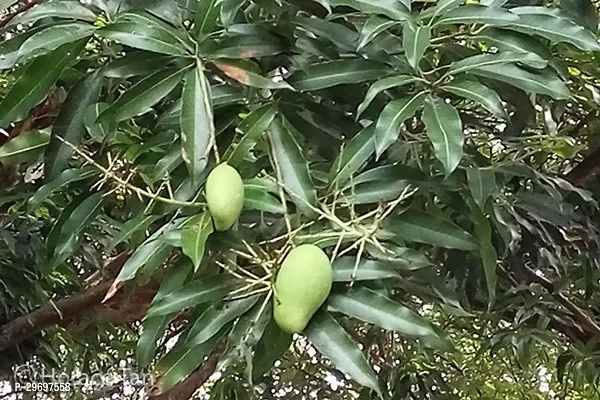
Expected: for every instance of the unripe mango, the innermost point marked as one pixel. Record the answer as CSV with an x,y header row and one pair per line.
x,y
224,196
302,285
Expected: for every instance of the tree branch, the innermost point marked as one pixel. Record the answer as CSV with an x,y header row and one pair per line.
x,y
186,388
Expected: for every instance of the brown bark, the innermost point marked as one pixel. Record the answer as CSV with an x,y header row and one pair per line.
x,y
186,388
586,169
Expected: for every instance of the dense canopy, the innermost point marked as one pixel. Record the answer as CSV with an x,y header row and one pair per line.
x,y
443,154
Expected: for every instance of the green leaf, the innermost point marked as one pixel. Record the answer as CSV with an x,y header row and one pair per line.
x,y
249,46
394,9
140,98
257,199
149,249
482,182
331,73
444,129
54,9
167,163
135,64
487,251
415,40
543,82
444,6
9,49
393,115
65,178
375,308
180,362
421,227
352,157
216,317
332,341
69,124
77,221
294,168
24,148
475,14
206,18
514,42
382,85
33,84
252,129
373,27
368,270
271,347
583,12
556,29
202,290
153,328
194,235
229,9
139,223
98,131
146,32
238,72
374,191
491,60
473,90
400,257
52,38
197,126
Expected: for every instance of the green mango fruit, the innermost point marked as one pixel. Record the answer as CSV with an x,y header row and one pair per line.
x,y
224,196
302,285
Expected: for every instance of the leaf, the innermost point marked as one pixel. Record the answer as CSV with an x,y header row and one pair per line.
x,y
9,49
202,290
557,30
474,90
135,64
393,115
77,221
415,40
229,9
207,14
153,328
382,85
252,128
52,38
33,84
271,347
331,73
180,362
65,178
373,27
146,32
197,126
487,252
444,129
248,46
444,6
583,12
482,182
295,173
53,9
257,199
352,157
140,98
98,131
332,341
475,14
216,317
543,82
237,72
368,270
394,9
137,224
514,42
194,235
421,227
151,247
491,60
24,148
69,124
168,163
374,191
375,308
